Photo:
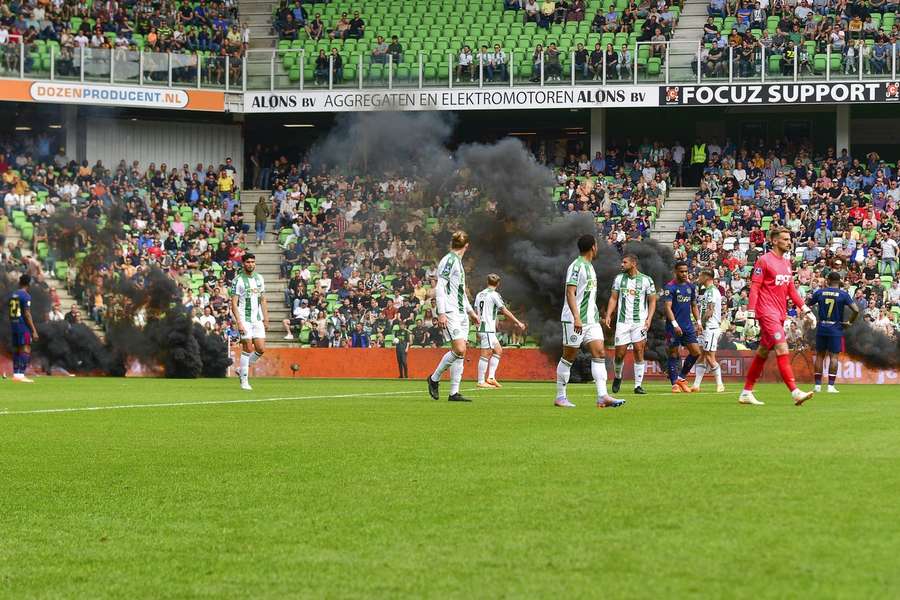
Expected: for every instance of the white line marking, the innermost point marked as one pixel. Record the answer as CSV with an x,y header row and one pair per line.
x,y
45,411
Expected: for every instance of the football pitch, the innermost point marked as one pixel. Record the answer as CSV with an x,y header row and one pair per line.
x,y
310,488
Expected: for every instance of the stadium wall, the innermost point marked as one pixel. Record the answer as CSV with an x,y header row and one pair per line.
x,y
174,143
518,364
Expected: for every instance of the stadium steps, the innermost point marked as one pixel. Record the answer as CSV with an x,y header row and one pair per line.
x,y
257,16
671,217
65,298
690,29
268,264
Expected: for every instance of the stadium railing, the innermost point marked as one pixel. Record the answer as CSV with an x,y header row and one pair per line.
x,y
294,69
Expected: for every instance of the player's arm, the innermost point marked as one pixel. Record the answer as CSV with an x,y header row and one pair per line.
x,y
265,310
755,285
695,312
235,313
707,313
610,308
854,312
573,306
800,304
26,313
508,314
471,311
651,308
440,295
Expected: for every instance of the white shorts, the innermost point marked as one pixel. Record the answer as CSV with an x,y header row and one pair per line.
x,y
255,331
588,334
709,339
457,327
630,333
487,340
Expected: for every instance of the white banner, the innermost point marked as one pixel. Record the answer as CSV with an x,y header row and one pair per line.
x,y
451,99
86,93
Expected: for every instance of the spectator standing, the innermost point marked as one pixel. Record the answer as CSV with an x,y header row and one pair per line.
x,y
261,214
401,345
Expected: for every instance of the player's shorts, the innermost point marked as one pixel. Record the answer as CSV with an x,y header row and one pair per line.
x,y
630,333
21,336
589,333
255,331
688,336
457,327
487,340
709,339
771,332
830,343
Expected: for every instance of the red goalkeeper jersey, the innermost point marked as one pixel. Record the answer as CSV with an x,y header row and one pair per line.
x,y
770,285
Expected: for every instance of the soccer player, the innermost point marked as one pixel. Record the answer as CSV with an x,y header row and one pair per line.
x,y
22,329
581,326
634,300
710,319
454,312
680,303
831,302
770,286
251,314
488,303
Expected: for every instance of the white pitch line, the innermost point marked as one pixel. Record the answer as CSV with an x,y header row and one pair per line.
x,y
45,411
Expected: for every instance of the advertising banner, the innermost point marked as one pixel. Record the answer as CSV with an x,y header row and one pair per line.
x,y
776,94
128,96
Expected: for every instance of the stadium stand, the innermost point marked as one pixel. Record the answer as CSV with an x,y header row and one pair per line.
x,y
478,35
67,36
843,211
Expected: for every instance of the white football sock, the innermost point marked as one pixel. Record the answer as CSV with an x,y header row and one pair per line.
x,y
492,370
255,357
456,373
717,371
618,367
245,364
639,373
563,369
482,368
598,371
699,370
446,360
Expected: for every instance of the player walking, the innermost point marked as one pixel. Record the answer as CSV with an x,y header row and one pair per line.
x,y
771,284
710,319
680,303
634,300
22,329
488,304
581,326
831,302
251,314
454,312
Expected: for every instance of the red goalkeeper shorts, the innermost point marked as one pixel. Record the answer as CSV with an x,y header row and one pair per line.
x,y
771,331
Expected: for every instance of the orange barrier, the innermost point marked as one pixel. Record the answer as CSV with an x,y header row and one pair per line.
x,y
518,364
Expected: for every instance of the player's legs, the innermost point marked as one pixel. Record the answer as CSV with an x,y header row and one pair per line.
x,y
483,360
756,369
833,366
494,361
674,362
597,348
689,362
457,333
639,365
819,360
456,369
783,356
563,370
244,364
618,367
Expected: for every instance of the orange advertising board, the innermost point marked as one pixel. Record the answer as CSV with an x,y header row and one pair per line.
x,y
94,94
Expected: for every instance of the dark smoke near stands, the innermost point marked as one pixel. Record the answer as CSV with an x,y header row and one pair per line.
x,y
514,230
169,338
873,348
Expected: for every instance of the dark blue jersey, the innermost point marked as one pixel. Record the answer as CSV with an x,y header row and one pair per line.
x,y
19,301
682,296
831,303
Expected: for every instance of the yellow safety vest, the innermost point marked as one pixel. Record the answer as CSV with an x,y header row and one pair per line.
x,y
698,154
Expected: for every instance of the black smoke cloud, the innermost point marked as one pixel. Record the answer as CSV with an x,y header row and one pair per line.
x,y
521,237
870,346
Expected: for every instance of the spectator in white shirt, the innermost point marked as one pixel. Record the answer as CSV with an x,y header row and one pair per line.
x,y
464,63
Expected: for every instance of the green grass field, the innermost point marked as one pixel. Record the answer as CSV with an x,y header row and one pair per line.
x,y
370,489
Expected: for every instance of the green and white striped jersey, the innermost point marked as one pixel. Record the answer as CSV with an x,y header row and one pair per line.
x,y
634,297
249,290
581,274
488,304
450,294
711,297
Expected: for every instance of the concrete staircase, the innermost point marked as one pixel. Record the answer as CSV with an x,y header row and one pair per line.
x,y
688,33
671,217
268,264
257,16
66,300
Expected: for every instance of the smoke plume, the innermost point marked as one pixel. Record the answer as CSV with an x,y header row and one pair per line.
x,y
514,229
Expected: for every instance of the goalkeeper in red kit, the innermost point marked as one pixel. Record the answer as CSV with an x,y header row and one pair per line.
x,y
770,287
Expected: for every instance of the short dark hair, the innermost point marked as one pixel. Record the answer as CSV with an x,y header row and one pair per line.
x,y
680,264
834,277
25,280
248,256
586,242
632,257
